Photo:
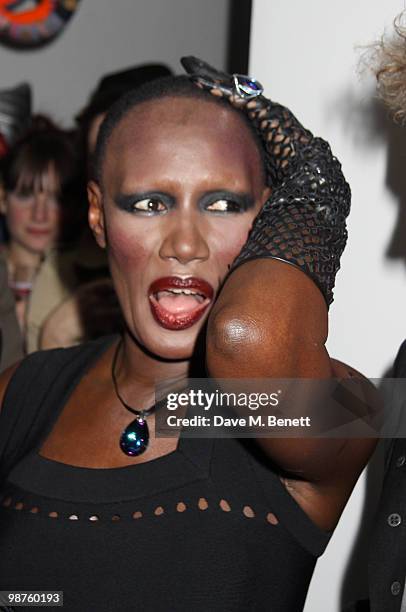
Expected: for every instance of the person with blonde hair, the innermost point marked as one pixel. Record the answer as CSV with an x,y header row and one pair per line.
x,y
387,559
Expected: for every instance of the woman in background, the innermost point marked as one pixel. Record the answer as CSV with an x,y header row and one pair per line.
x,y
39,186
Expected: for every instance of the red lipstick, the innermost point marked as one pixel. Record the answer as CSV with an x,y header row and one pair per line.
x,y
178,303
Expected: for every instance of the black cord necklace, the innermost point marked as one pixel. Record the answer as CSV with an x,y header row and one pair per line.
x,y
134,439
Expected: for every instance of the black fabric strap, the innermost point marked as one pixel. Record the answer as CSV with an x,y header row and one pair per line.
x,y
34,394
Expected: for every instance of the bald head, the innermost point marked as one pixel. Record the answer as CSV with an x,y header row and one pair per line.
x,y
180,128
165,95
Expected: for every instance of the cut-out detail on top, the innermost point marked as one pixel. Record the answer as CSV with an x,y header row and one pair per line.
x,y
202,503
224,505
181,507
271,518
248,512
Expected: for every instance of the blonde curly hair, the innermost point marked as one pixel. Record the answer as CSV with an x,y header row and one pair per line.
x,y
387,59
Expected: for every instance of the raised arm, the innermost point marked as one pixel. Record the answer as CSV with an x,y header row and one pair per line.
x,y
270,319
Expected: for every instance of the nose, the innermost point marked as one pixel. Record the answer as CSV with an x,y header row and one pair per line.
x,y
40,208
184,240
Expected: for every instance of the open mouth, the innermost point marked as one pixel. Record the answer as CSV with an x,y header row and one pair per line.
x,y
178,303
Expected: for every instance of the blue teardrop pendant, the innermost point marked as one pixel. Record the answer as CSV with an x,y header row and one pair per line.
x,y
135,437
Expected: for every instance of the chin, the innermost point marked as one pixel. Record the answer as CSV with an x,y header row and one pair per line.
x,y
37,247
168,346
175,354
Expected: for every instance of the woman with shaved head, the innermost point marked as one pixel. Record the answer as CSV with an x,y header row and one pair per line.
x,y
224,222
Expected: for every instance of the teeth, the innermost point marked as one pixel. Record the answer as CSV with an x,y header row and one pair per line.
x,y
185,291
178,291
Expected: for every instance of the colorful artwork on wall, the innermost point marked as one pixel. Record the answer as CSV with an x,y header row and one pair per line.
x,y
33,23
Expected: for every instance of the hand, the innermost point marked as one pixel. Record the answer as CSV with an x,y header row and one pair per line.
x,y
304,221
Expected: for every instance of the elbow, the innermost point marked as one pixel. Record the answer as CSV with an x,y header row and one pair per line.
x,y
241,345
232,337
231,332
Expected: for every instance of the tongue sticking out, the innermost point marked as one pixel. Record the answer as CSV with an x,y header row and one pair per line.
x,y
178,303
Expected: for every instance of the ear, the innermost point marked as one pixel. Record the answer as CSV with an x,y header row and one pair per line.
x,y
96,213
3,200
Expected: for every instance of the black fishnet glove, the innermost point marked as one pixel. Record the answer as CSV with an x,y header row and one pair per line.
x,y
304,221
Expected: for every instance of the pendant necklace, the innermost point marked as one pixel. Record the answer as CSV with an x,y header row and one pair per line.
x,y
134,439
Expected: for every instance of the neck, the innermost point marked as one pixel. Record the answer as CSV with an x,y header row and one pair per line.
x,y
145,370
19,256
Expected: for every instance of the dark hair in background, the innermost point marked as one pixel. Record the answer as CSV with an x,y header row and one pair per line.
x,y
174,86
44,145
109,89
112,86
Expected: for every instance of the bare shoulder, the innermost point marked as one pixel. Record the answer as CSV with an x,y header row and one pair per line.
x,y
5,378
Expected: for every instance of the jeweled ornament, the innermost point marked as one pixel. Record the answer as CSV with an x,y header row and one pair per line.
x,y
135,437
246,86
134,440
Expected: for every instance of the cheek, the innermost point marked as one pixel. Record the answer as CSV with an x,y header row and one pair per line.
x,y
227,251
228,240
17,217
127,246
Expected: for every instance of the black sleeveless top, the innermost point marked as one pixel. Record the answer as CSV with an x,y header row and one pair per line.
x,y
207,527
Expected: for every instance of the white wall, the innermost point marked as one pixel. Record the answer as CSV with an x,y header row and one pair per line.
x,y
305,54
106,35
